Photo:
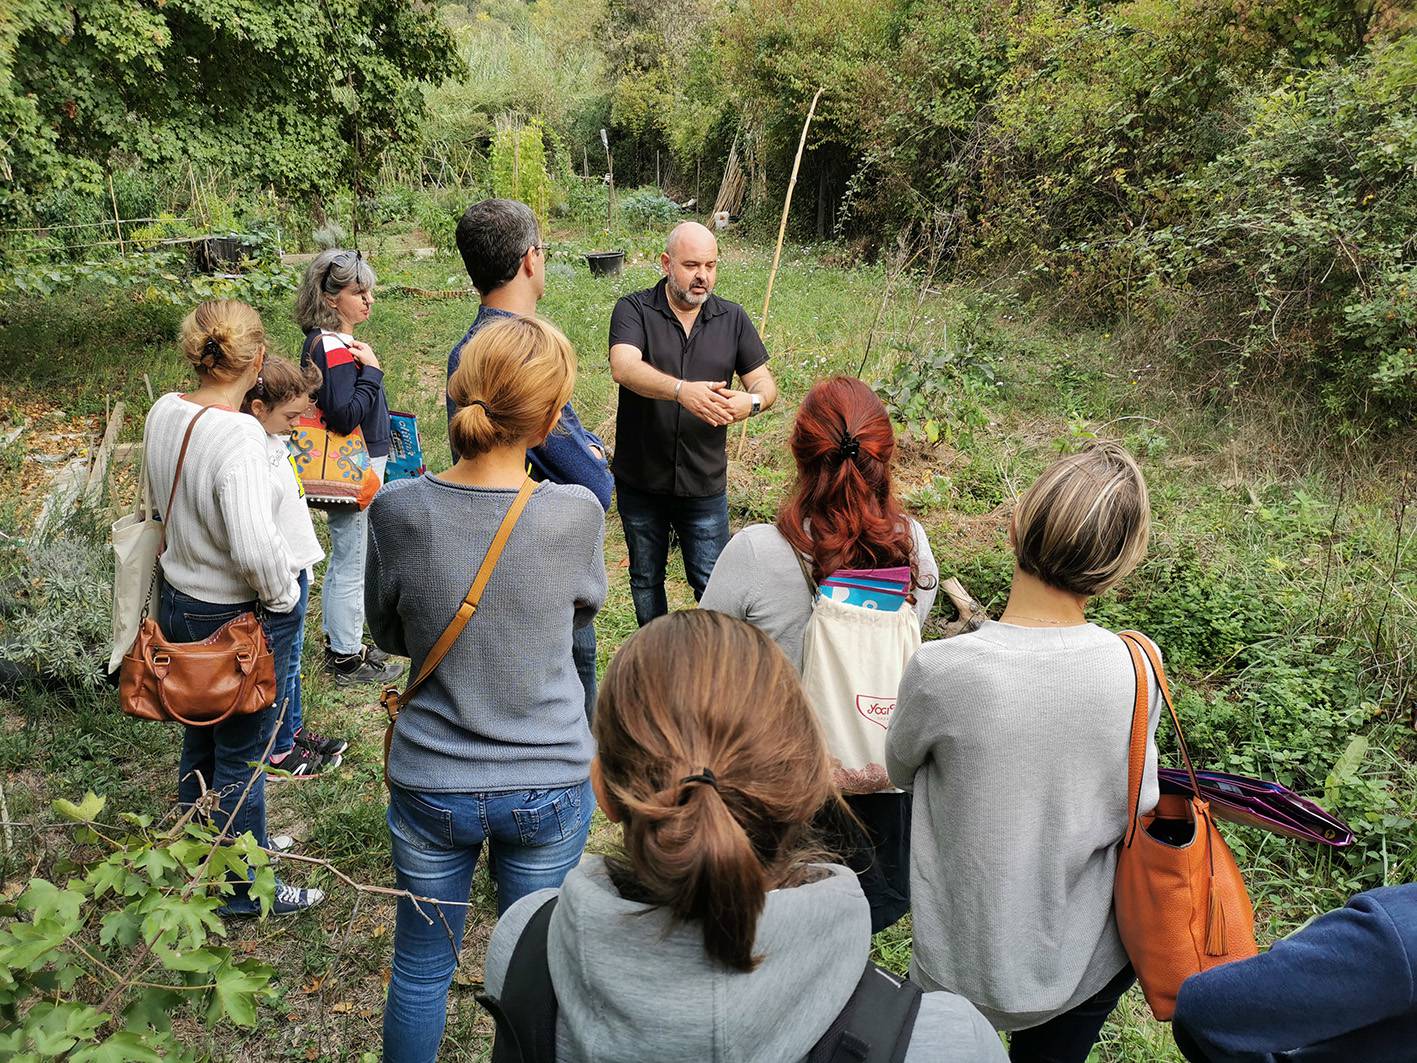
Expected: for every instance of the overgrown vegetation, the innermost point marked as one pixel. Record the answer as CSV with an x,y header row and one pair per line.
x,y
1187,224
1280,586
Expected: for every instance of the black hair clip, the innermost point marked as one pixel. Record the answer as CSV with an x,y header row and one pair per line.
x,y
211,353
849,447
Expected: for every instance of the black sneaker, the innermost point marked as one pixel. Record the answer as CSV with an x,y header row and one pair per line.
x,y
289,900
292,900
302,762
352,669
380,659
326,747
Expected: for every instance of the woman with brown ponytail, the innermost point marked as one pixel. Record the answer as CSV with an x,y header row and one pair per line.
x,y
842,516
713,933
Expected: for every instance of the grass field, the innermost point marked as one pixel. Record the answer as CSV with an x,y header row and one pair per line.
x,y
1280,583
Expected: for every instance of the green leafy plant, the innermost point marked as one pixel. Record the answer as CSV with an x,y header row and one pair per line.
x,y
942,393
94,969
517,164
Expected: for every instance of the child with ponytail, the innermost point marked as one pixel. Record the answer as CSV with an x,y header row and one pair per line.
x,y
713,933
842,514
277,400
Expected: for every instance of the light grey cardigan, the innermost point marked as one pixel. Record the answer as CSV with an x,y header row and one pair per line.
x,y
1015,741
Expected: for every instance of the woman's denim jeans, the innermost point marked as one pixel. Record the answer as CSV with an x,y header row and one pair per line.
x,y
535,837
342,596
287,634
220,757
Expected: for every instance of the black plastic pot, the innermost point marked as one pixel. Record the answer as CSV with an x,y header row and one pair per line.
x,y
605,263
219,254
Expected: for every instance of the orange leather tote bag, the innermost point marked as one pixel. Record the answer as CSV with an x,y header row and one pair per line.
x,y
229,673
1180,901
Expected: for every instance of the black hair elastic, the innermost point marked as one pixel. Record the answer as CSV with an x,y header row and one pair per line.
x,y
705,776
485,408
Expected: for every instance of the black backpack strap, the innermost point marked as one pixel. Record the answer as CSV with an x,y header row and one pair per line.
x,y
876,1024
526,1012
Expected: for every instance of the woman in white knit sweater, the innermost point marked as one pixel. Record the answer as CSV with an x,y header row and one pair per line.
x,y
1014,739
224,555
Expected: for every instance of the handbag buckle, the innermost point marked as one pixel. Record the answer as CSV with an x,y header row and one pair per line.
x,y
389,699
161,660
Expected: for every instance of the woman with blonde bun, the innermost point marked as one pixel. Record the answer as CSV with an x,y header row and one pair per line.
x,y
225,556
493,747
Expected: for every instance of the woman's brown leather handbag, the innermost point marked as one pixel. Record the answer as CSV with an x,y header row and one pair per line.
x,y
1180,900
229,673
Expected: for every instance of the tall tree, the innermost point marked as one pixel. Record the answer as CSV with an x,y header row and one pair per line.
x,y
289,93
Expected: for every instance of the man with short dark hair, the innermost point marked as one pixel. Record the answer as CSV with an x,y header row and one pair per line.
x,y
674,350
501,247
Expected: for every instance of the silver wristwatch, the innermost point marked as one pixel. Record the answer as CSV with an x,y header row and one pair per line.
x,y
757,404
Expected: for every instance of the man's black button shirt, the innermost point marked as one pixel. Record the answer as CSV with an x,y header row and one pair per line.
x,y
660,447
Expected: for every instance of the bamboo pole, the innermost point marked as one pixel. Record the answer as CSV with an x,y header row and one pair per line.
x,y
117,221
777,252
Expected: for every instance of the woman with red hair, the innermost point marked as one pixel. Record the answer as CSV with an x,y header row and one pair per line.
x,y
841,535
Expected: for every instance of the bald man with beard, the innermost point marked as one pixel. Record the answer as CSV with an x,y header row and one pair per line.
x,y
674,350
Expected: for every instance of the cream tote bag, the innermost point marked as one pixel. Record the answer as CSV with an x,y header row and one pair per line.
x,y
136,538
852,661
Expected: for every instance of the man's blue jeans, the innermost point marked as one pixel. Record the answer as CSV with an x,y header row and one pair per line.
x,y
701,525
583,654
535,836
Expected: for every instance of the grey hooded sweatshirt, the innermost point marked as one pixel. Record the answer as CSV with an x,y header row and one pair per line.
x,y
632,986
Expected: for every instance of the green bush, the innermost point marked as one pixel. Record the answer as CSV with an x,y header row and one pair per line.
x,y
1304,231
647,208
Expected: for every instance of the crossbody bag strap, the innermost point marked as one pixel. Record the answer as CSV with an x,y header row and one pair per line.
x,y
391,699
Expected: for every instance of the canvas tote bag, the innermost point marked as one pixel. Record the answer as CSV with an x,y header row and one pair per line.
x,y
852,661
334,469
136,537
1180,901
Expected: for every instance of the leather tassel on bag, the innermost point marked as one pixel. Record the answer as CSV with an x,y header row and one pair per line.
x,y
1215,926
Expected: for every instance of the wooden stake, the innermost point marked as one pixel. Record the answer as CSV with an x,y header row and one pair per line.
x,y
117,221
98,472
777,252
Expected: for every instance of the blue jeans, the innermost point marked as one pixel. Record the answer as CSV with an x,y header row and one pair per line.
x,y
342,595
701,525
583,654
287,634
536,837
220,757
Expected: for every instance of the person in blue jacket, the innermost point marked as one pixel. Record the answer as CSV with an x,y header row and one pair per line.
x,y
1343,988
500,244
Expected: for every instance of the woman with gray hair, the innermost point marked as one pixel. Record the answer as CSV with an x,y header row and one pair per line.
x,y
335,297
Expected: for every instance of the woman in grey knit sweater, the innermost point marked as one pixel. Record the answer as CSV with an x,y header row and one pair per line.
x,y
494,746
1014,739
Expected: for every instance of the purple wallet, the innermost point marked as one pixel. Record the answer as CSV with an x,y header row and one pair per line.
x,y
1257,803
